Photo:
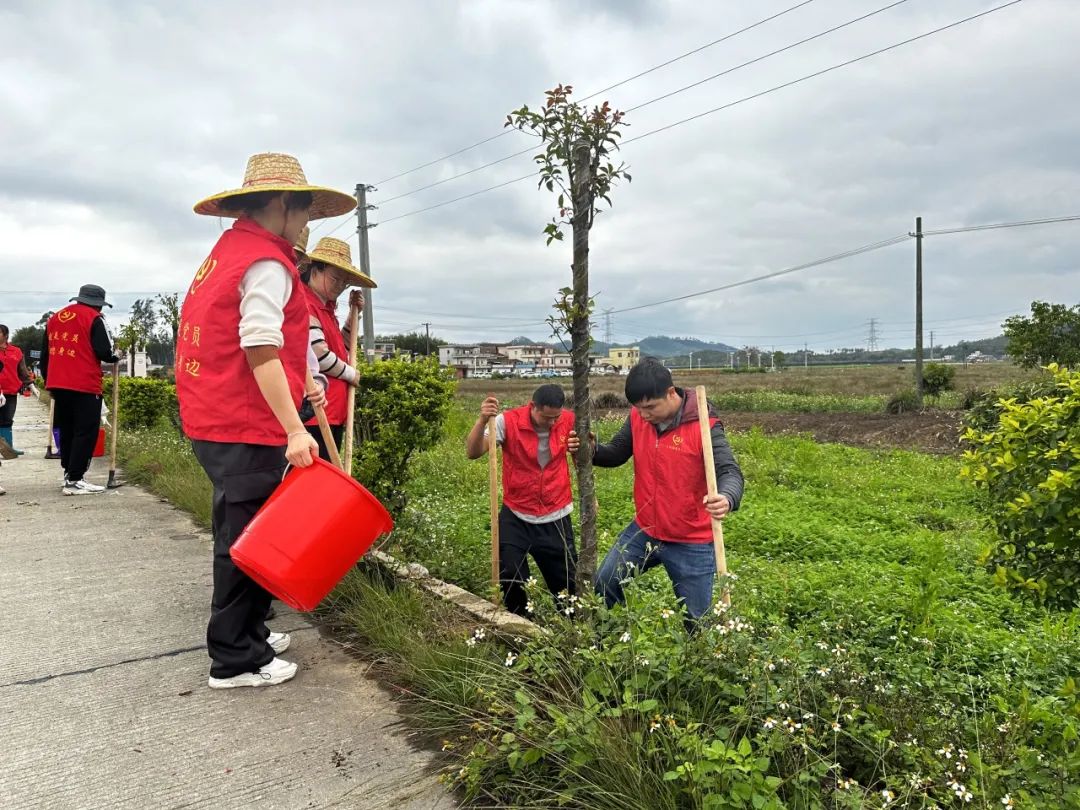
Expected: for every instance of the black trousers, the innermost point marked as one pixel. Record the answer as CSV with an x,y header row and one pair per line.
x,y
244,476
552,548
337,431
7,410
78,417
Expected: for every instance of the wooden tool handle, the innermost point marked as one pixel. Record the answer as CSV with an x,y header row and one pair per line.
x,y
493,489
327,436
350,396
710,481
115,415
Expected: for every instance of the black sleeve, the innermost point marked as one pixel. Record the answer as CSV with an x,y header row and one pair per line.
x,y
618,451
102,345
729,477
43,364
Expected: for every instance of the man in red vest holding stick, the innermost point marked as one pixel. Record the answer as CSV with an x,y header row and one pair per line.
x,y
673,521
537,440
76,344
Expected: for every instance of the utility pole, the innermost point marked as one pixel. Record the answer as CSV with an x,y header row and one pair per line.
x,y
427,339
691,361
609,329
918,313
871,339
931,345
805,357
362,229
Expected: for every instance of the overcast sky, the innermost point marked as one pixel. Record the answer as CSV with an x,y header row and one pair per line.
x,y
117,117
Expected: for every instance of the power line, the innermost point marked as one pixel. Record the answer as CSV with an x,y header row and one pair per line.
x,y
816,263
658,98
672,61
823,71
727,106
819,35
457,199
994,226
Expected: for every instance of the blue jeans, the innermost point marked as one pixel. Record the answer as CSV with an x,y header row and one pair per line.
x,y
690,566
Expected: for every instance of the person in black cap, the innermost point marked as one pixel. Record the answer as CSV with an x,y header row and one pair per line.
x,y
76,344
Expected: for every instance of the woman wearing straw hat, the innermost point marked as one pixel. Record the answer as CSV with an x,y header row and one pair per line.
x,y
241,372
329,272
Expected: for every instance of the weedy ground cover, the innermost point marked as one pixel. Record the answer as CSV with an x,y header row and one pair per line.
x,y
868,660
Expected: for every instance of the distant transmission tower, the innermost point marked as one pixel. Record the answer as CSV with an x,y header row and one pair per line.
x,y
609,327
871,339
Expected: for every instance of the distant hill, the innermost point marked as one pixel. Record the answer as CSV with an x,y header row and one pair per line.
x,y
663,346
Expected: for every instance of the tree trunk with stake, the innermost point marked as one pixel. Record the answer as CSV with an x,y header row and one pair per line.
x,y
579,353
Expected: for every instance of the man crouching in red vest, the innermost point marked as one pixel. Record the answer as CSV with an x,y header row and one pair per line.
x,y
537,440
672,526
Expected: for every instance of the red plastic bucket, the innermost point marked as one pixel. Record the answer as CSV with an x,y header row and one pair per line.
x,y
309,533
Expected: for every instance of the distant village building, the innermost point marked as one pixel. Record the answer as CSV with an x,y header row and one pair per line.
x,y
536,354
482,360
624,357
470,360
385,351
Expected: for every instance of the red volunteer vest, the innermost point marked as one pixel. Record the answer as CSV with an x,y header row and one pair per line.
x,y
219,398
526,487
73,366
338,390
669,478
10,383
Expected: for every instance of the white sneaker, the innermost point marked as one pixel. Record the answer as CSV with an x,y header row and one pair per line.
x,y
277,671
81,488
279,641
3,491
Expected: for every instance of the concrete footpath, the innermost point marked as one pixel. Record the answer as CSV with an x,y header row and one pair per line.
x,y
103,667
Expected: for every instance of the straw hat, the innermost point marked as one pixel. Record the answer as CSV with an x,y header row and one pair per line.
x,y
300,245
335,252
272,171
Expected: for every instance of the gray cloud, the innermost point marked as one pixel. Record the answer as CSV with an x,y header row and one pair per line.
x,y
120,117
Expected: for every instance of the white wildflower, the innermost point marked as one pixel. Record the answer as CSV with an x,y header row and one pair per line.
x,y
625,637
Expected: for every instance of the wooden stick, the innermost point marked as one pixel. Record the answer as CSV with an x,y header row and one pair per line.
x,y
327,436
493,491
710,480
350,397
324,426
115,425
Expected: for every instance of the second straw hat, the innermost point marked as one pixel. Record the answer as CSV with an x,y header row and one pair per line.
x,y
336,252
274,171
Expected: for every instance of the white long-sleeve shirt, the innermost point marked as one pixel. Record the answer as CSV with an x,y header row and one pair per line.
x,y
264,290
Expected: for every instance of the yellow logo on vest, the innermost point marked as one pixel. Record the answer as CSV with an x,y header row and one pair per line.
x,y
65,316
205,269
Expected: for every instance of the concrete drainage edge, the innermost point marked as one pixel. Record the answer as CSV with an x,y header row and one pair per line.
x,y
483,611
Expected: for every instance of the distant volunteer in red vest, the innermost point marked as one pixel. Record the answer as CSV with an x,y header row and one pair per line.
x,y
241,372
328,274
14,379
537,440
76,344
672,526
